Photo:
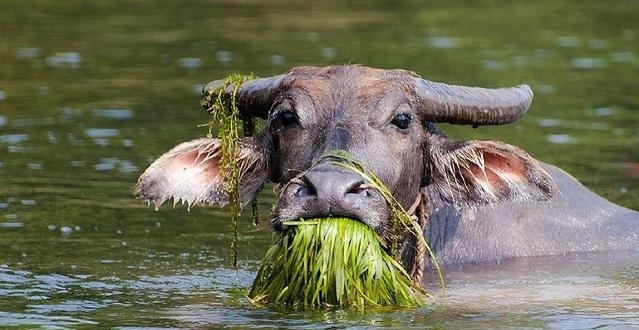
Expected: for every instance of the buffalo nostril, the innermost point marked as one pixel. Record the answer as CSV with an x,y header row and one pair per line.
x,y
360,188
303,189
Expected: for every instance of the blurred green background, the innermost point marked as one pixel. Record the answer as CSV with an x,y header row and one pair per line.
x,y
92,91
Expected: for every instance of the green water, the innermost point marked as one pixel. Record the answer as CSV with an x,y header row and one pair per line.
x,y
92,92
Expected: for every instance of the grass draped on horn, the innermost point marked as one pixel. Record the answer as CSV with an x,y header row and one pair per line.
x,y
226,113
333,262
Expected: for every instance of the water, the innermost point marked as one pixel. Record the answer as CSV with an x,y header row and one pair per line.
x,y
90,93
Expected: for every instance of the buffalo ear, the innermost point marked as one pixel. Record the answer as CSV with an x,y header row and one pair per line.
x,y
191,173
480,172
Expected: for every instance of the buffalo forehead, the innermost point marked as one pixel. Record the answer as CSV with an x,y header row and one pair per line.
x,y
356,90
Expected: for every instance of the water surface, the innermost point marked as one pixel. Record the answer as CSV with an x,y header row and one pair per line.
x,y
92,92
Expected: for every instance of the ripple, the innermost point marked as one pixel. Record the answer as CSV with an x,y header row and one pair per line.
x,y
568,41
28,53
54,281
545,88
493,65
3,120
69,306
13,138
113,113
11,224
110,163
224,56
28,122
541,54
53,139
314,37
190,63
126,166
623,57
588,63
65,60
50,322
549,122
328,53
35,166
65,231
519,60
44,90
10,276
444,42
604,111
561,139
103,167
278,60
15,149
101,142
597,44
74,140
197,88
102,132
70,114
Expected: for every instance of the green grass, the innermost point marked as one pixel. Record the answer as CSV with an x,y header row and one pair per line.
x,y
332,262
227,115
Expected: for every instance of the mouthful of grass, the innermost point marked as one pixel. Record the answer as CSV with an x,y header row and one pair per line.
x,y
332,262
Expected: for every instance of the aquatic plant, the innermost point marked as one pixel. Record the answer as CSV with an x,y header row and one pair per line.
x,y
332,262
228,116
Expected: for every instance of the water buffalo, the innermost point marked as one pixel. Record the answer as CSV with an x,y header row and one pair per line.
x,y
481,200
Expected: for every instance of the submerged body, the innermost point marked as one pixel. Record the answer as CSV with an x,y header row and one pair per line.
x,y
575,220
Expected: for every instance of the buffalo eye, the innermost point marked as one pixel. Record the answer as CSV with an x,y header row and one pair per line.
x,y
286,118
402,120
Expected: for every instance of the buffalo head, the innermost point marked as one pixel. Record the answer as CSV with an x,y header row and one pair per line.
x,y
385,119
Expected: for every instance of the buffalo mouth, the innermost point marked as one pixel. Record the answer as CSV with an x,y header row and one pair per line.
x,y
328,191
344,189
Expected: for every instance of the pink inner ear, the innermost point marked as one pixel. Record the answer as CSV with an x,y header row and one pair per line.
x,y
194,160
496,167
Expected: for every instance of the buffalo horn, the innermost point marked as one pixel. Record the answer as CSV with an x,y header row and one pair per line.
x,y
461,105
253,99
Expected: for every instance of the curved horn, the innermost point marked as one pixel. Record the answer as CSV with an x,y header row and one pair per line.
x,y
254,98
472,105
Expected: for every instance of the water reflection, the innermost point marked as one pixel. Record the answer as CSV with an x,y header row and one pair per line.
x,y
65,60
101,132
586,63
190,63
90,93
444,42
113,113
28,53
13,138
